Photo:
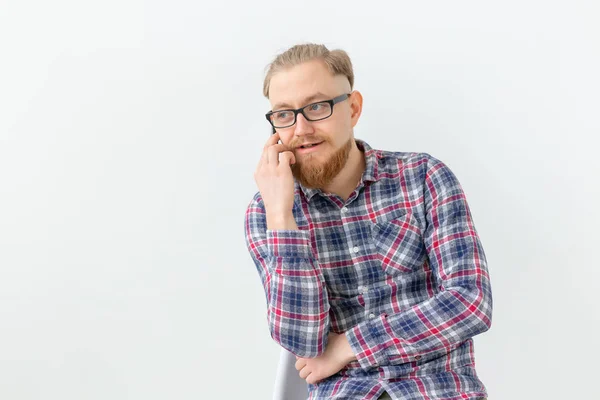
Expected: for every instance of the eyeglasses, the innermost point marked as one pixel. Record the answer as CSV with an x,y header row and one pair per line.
x,y
312,112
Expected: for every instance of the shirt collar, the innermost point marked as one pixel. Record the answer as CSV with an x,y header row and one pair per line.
x,y
370,174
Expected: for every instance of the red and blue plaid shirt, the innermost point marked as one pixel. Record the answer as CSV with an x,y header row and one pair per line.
x,y
398,267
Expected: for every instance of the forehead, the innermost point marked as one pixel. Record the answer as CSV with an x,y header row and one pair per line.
x,y
292,86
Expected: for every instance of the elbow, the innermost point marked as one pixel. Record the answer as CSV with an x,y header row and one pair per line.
x,y
304,351
299,342
482,312
477,311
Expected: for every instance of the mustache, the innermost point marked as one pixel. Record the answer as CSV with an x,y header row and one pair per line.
x,y
294,144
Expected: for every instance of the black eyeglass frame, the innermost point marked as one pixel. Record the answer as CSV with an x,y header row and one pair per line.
x,y
300,110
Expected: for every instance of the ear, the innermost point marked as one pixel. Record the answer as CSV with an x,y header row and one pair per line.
x,y
356,102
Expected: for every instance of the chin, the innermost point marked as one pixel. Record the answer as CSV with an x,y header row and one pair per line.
x,y
313,160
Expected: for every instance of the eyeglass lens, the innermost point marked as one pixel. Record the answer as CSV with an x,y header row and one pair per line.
x,y
312,112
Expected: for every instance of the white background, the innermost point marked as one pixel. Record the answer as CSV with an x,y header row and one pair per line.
x,y
129,134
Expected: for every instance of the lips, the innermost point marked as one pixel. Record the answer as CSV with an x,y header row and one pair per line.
x,y
309,145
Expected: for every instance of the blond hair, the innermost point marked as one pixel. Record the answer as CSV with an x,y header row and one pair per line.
x,y
337,61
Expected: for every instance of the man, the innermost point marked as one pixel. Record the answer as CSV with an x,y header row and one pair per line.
x,y
374,274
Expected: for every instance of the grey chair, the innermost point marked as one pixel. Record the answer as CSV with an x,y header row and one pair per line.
x,y
288,384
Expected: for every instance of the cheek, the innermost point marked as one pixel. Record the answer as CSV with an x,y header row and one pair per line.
x,y
336,128
329,129
286,137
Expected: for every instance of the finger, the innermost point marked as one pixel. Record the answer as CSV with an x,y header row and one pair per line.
x,y
273,153
273,139
304,373
263,158
287,158
299,364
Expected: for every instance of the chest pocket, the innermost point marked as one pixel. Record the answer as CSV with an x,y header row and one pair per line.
x,y
399,243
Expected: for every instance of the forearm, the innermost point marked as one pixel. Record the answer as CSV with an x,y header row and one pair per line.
x,y
426,330
298,306
298,310
295,292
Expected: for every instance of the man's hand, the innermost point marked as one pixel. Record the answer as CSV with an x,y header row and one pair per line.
x,y
275,182
337,354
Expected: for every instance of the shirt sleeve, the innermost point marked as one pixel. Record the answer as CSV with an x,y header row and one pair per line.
x,y
462,307
295,290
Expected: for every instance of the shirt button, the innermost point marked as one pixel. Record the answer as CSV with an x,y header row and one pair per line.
x,y
344,210
371,315
355,249
361,289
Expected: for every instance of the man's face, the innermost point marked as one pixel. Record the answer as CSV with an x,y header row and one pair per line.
x,y
299,86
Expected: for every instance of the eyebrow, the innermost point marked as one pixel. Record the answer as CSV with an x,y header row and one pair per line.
x,y
305,101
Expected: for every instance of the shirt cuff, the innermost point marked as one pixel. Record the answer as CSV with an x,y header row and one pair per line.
x,y
293,253
369,342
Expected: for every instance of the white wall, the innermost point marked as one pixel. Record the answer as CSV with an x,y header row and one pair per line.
x,y
129,133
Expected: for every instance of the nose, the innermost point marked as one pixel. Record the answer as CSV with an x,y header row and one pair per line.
x,y
303,126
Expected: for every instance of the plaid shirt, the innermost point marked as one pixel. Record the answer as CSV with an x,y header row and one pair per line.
x,y
398,267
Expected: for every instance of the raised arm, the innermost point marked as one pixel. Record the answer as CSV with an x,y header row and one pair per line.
x,y
296,295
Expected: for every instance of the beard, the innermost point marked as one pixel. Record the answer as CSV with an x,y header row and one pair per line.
x,y
314,175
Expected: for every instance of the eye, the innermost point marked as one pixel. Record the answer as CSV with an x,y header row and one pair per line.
x,y
316,107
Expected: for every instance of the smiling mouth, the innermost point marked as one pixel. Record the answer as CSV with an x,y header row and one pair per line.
x,y
308,146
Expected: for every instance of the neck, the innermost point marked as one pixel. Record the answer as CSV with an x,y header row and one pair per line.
x,y
346,181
